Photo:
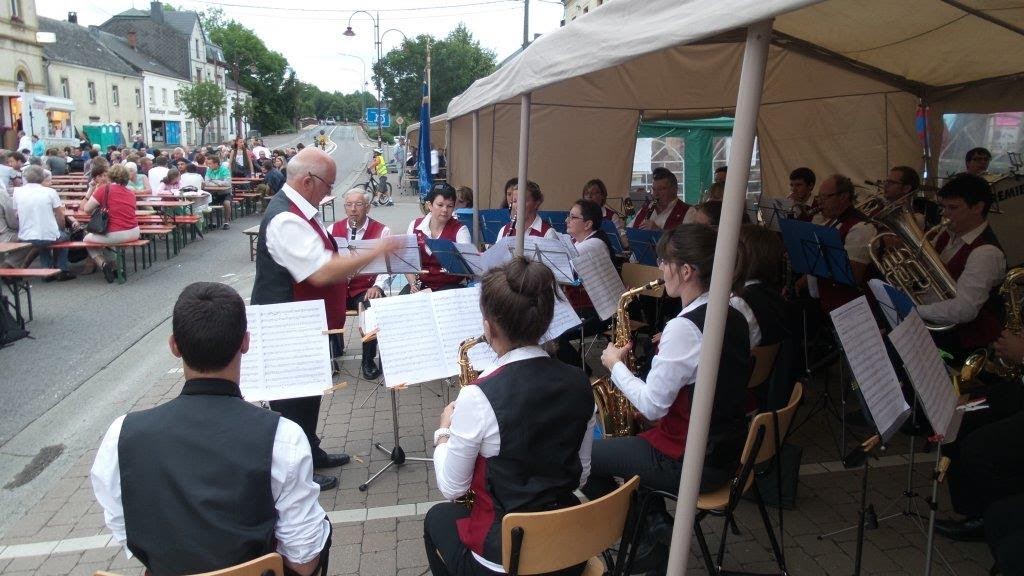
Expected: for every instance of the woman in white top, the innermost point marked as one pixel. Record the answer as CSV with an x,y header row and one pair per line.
x,y
438,223
535,225
137,182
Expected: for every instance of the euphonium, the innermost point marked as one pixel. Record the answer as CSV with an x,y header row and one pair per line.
x,y
618,412
982,361
466,376
914,267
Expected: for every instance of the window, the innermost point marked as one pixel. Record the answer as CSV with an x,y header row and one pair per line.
x,y
199,74
115,96
130,131
177,100
65,88
163,96
138,98
92,91
197,48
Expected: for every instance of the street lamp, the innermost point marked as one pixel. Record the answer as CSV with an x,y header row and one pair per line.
x,y
362,89
377,35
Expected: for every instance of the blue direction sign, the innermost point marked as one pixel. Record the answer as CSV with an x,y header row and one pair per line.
x,y
384,114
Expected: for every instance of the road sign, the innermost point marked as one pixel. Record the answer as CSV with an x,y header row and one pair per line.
x,y
384,115
400,120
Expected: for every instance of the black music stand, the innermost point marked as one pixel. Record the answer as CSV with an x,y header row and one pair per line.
x,y
644,244
613,236
451,259
491,223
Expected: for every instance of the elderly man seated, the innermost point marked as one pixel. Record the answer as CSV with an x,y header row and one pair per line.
x,y
41,220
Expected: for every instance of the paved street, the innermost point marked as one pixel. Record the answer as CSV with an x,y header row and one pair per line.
x,y
100,350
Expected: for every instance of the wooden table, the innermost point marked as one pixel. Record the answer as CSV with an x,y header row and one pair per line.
x,y
165,204
16,280
6,247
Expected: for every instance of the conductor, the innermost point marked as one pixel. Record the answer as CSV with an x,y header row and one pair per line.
x,y
296,260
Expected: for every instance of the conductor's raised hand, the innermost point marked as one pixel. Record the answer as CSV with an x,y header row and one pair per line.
x,y
612,355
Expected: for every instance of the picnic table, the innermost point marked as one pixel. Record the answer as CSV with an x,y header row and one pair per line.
x,y
16,280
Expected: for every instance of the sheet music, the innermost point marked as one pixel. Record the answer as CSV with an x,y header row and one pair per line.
x,y
601,281
458,317
551,253
472,257
498,254
774,210
405,260
865,352
565,318
408,339
367,321
567,243
928,374
289,355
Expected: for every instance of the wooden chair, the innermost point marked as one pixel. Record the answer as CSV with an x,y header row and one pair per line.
x,y
539,542
765,436
270,565
764,362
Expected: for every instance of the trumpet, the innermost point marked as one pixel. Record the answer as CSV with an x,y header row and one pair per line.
x,y
618,414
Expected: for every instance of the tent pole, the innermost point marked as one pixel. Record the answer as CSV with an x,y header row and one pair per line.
x,y
748,100
476,177
524,154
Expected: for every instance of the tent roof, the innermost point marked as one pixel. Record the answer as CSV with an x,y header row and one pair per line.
x,y
912,45
434,121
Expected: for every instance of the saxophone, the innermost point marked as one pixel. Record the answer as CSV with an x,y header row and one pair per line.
x,y
466,376
617,413
1012,291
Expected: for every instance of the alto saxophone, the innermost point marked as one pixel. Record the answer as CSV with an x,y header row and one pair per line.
x,y
1012,291
618,414
466,376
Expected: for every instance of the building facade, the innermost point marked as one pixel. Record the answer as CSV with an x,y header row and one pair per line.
x,y
21,69
576,8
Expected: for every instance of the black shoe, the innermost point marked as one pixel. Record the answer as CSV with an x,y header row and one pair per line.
x,y
64,276
652,547
970,530
109,272
326,460
325,482
370,369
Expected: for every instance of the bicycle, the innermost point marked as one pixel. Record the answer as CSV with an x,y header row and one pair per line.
x,y
381,195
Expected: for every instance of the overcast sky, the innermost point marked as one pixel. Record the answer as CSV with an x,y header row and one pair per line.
x,y
309,32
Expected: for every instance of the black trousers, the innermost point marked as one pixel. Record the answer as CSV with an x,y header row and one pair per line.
x,y
592,325
1004,530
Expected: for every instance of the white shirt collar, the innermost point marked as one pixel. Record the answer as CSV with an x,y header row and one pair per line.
x,y
973,233
366,222
697,303
307,209
538,223
522,353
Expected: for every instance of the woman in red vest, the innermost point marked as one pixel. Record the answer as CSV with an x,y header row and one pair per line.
x,y
535,225
439,223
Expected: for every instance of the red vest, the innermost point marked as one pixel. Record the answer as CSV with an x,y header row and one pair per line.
x,y
435,278
988,324
675,218
509,230
333,295
832,294
359,284
607,213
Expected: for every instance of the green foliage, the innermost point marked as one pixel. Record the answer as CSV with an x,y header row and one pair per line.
x,y
456,62
203,102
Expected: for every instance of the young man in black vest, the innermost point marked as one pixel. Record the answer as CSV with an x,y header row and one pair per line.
x,y
207,480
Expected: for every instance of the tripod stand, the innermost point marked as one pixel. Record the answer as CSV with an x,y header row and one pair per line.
x,y
396,455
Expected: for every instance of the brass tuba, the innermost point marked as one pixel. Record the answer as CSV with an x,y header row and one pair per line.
x,y
618,414
982,361
914,267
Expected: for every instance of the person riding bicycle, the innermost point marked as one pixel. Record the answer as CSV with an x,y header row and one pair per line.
x,y
379,167
320,140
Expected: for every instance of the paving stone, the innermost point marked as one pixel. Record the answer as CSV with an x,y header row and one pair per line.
x,y
344,559
378,564
59,564
411,553
379,541
87,569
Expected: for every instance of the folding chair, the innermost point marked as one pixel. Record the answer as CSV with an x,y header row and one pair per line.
x,y
767,430
270,565
540,542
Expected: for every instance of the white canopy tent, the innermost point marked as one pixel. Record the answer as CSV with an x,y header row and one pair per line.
x,y
842,84
438,131
830,84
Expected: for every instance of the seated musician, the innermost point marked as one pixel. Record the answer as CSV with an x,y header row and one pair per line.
x,y
666,210
207,480
597,192
900,186
519,436
977,161
836,199
536,225
584,226
438,223
975,260
686,255
801,191
362,288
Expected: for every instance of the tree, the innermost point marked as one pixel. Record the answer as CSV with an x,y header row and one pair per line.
x,y
456,62
203,102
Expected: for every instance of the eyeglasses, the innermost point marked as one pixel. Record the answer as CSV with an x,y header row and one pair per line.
x,y
355,204
573,217
330,185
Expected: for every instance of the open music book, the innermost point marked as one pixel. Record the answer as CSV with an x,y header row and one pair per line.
x,y
404,261
289,355
548,251
601,281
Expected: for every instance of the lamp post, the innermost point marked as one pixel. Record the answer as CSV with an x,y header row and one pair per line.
x,y
362,89
377,35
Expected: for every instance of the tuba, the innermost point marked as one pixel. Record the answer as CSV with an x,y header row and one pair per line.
x,y
982,361
618,414
915,266
466,376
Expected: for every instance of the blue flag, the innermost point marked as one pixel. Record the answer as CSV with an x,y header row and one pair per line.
x,y
426,178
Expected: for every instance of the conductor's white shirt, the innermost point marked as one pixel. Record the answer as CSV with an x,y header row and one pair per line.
x,y
474,431
291,241
983,271
302,527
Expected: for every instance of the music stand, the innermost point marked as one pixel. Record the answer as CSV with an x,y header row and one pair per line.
x,y
609,229
774,211
644,244
491,223
450,258
555,218
465,216
555,257
405,261
816,250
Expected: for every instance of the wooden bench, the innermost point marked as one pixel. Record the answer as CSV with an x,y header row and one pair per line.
x,y
157,230
254,238
328,201
17,281
119,253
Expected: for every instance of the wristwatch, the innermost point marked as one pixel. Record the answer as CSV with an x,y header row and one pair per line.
x,y
441,432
